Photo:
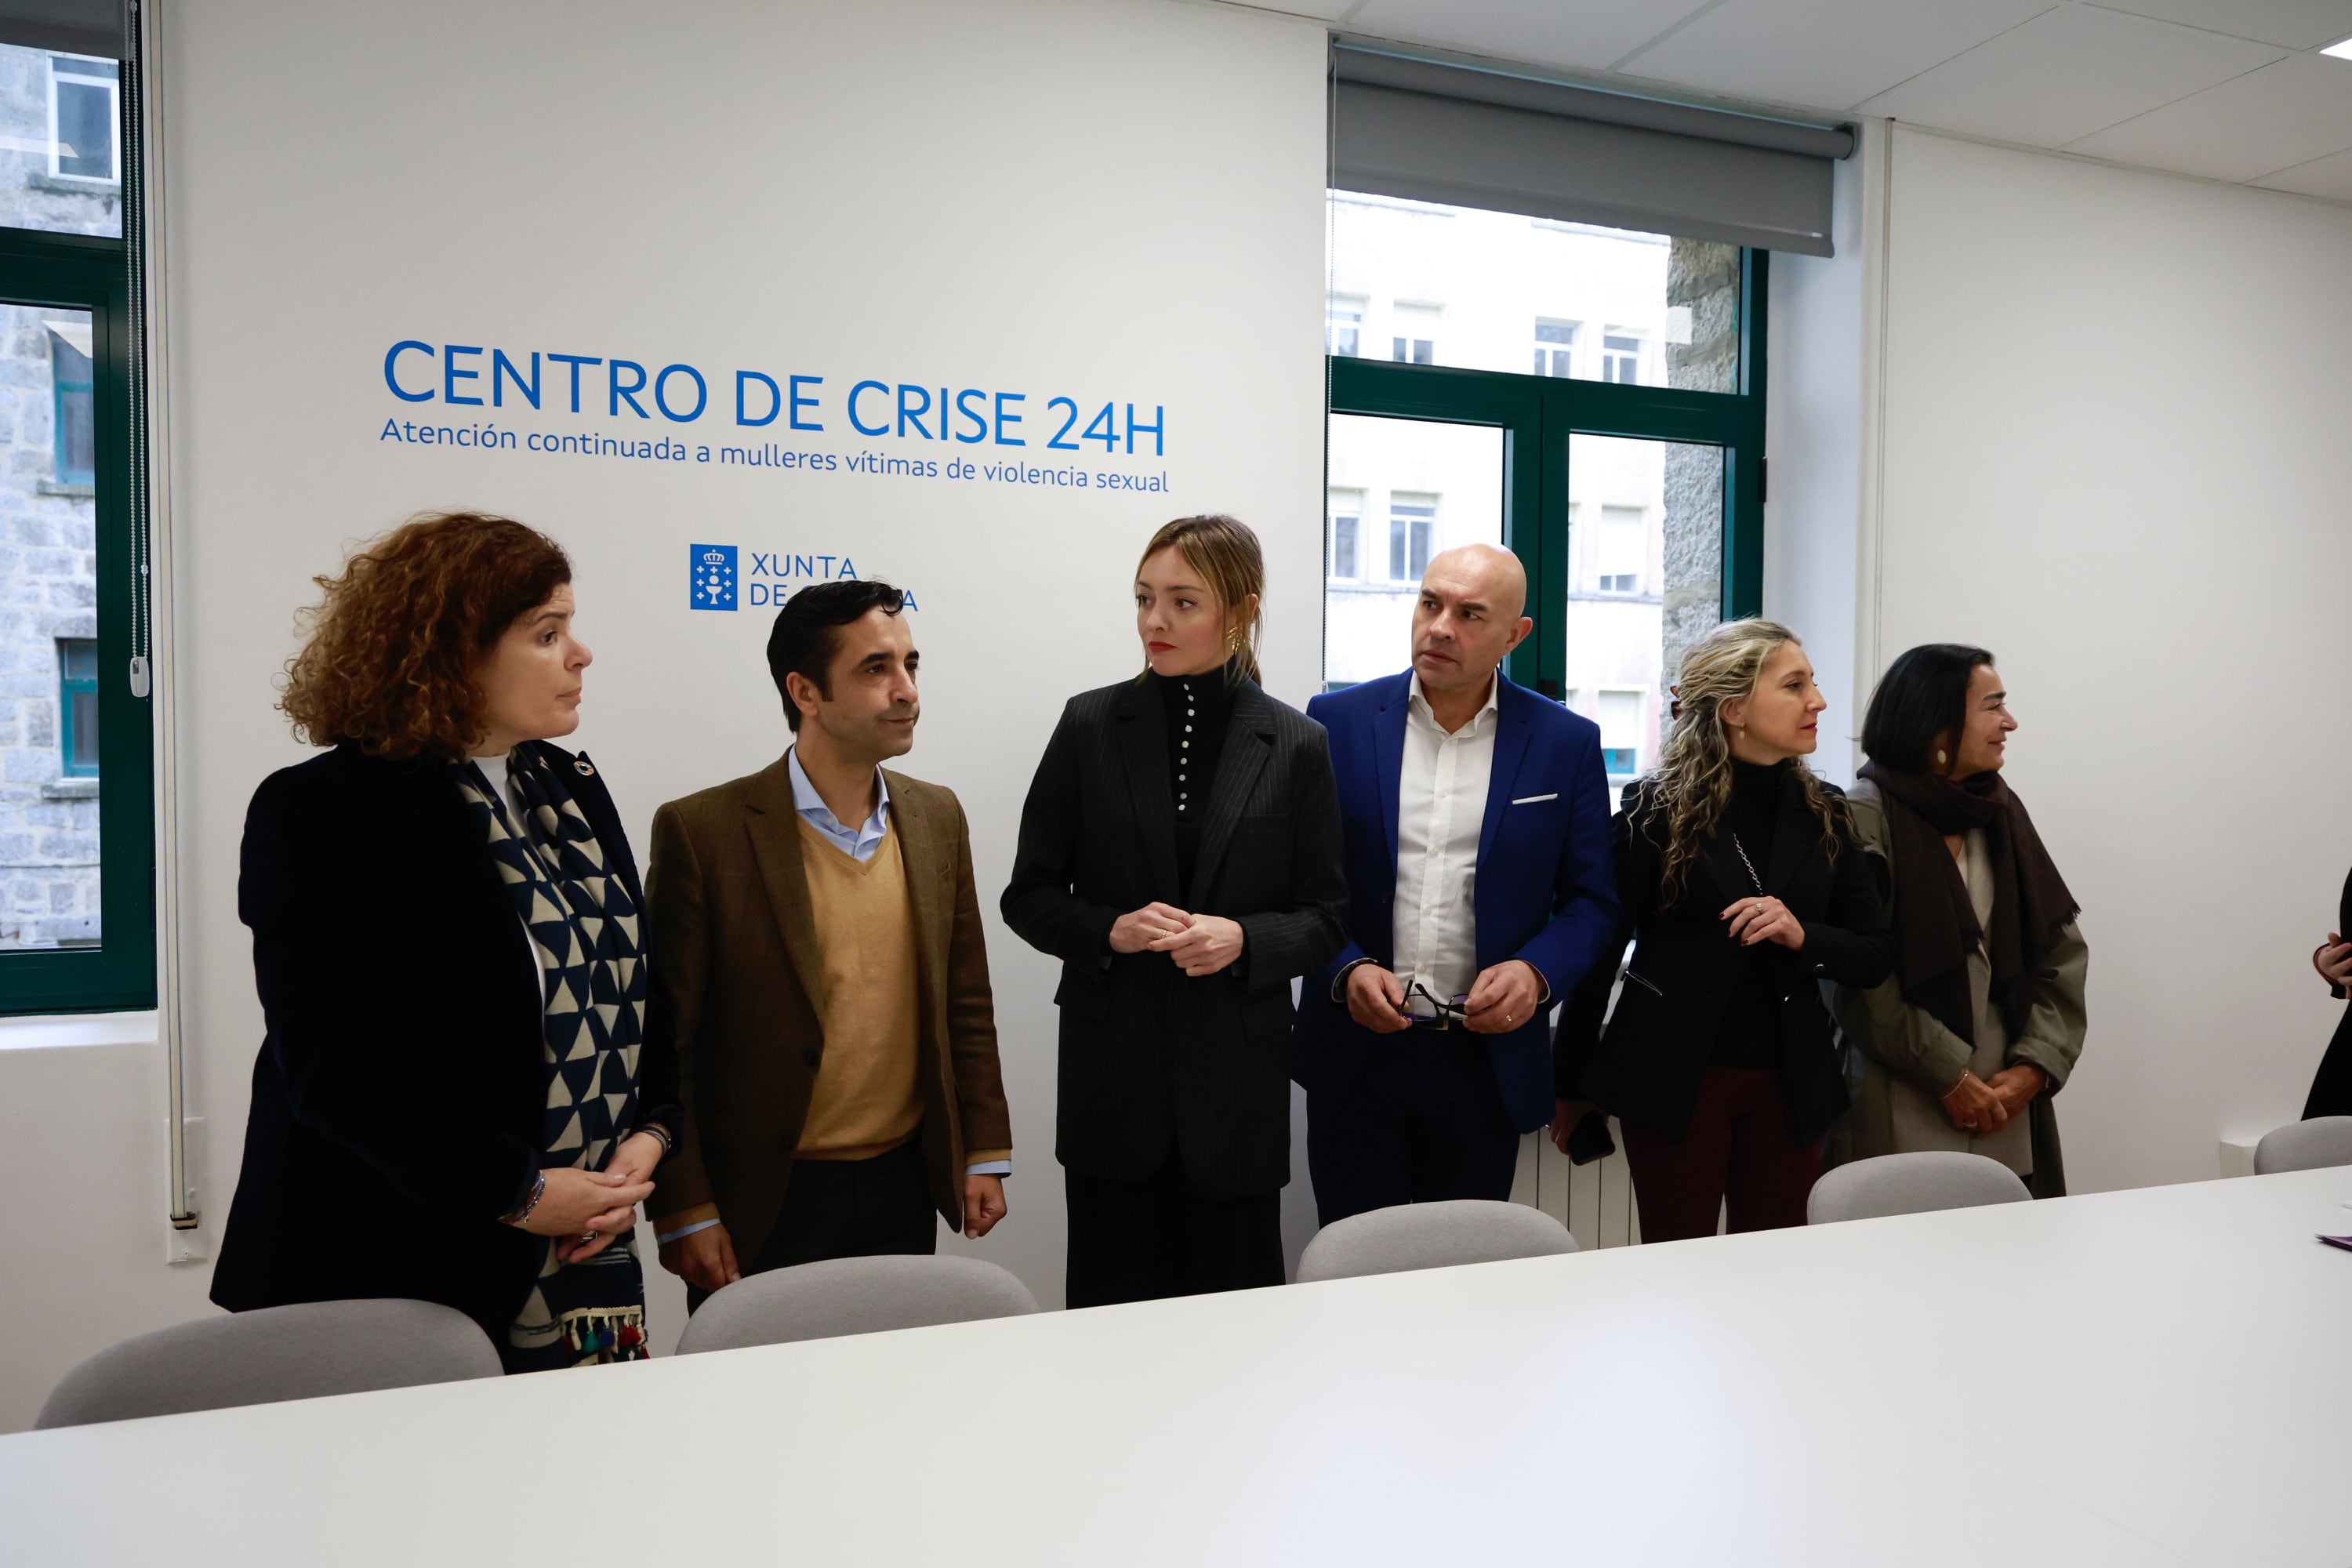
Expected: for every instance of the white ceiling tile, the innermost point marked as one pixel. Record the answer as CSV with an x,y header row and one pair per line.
x,y
2256,124
1824,54
2290,23
1321,10
2330,176
2065,75
1589,35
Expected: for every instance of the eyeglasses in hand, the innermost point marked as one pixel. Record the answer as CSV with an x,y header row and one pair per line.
x,y
1425,1009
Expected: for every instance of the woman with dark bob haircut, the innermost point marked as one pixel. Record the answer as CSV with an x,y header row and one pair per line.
x,y
1983,1020
466,1082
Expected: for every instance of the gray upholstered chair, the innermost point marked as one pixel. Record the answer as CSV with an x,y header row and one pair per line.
x,y
1912,1183
853,1296
2312,1145
1430,1236
275,1353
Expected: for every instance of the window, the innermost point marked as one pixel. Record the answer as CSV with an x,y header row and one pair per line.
x,y
1347,531
1621,358
1554,347
83,135
1620,734
1415,341
1622,550
72,419
1343,326
1640,425
78,707
1410,520
78,927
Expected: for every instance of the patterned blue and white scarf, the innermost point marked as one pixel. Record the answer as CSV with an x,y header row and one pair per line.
x,y
586,926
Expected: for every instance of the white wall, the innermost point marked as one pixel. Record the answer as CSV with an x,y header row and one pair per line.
x,y
1819,385
2116,455
1108,198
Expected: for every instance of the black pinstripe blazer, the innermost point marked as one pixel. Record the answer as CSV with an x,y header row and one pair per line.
x,y
1148,1057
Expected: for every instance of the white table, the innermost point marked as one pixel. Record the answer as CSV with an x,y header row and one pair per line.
x,y
2158,1376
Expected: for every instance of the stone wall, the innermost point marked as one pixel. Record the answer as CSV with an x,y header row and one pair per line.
x,y
1703,277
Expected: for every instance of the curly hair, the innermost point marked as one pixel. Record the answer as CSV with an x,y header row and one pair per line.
x,y
391,654
1692,788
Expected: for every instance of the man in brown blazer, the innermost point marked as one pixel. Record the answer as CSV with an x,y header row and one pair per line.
x,y
818,931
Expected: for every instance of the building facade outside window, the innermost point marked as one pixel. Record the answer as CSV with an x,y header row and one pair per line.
x,y
1555,348
1412,519
1621,358
1621,718
1414,339
1623,549
1343,327
84,116
1347,530
77,707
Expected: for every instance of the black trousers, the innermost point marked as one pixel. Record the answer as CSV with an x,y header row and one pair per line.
x,y
848,1208
1142,1241
1423,1122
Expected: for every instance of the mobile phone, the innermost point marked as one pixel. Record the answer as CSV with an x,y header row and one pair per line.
x,y
1590,1140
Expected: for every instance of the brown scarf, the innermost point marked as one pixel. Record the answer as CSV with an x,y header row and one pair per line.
x,y
1935,926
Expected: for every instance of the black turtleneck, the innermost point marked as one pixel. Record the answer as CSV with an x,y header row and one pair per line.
x,y
1198,709
1750,1033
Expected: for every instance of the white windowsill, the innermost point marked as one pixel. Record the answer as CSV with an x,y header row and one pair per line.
x,y
51,1030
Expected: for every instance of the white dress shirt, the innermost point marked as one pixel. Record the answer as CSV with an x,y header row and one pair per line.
x,y
1440,808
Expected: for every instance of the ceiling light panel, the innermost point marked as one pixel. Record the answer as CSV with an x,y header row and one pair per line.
x,y
2256,124
2289,24
2065,75
1824,54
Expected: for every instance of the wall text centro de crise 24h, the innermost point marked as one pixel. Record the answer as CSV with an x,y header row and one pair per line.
x,y
471,375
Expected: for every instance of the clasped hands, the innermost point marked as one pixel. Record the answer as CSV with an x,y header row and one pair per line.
x,y
1501,999
1201,944
1980,1105
591,1209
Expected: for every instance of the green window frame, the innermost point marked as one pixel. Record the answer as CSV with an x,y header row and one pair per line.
x,y
91,273
1537,413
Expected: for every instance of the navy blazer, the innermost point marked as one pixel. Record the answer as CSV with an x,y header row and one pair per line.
x,y
1545,890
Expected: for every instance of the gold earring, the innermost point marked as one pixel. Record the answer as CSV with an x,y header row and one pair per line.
x,y
1233,639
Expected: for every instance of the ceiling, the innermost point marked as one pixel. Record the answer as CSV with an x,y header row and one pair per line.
x,y
2229,90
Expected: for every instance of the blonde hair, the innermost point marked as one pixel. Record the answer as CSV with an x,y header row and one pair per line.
x,y
1225,552
1692,787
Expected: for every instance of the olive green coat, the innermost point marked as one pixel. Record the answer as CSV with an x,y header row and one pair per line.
x,y
1909,1061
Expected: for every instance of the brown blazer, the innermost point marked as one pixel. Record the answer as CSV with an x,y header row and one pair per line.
x,y
728,906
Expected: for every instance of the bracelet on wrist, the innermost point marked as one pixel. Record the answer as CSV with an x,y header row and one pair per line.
x,y
538,1190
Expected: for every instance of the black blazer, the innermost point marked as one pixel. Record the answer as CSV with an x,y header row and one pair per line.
x,y
1646,1065
1146,1055
2331,1087
398,1093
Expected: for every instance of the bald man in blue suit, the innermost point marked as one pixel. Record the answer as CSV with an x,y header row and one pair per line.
x,y
1480,891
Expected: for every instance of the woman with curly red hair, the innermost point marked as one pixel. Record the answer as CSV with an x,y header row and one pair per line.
x,y
467,1078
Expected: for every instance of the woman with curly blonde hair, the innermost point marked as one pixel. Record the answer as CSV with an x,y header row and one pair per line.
x,y
1741,887
465,1082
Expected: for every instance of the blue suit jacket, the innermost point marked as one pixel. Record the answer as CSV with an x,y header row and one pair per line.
x,y
1546,889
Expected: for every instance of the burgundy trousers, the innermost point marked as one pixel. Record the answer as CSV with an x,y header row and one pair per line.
x,y
1740,1154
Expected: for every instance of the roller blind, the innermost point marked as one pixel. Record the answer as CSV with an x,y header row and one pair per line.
x,y
71,26
1435,132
